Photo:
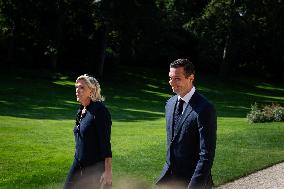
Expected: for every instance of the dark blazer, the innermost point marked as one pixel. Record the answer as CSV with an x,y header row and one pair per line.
x,y
190,152
92,134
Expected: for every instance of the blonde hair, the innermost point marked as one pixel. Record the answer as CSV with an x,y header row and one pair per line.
x,y
94,85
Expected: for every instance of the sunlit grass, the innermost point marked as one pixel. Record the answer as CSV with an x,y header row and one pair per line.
x,y
37,118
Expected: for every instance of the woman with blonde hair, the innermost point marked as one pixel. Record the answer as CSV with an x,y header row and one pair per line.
x,y
92,165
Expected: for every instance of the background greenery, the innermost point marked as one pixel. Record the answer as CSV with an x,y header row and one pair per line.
x,y
128,45
37,117
221,36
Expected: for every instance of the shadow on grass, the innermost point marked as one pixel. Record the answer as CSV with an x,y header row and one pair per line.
x,y
55,99
234,97
130,95
36,98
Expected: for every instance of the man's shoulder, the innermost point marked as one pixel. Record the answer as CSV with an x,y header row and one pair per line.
x,y
172,99
200,100
197,96
201,104
97,106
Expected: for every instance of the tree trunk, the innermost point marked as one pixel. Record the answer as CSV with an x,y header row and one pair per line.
x,y
58,36
11,46
224,67
102,50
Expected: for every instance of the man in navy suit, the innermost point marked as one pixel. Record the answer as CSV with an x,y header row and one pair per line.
x,y
191,125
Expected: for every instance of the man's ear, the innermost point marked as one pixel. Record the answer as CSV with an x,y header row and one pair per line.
x,y
191,77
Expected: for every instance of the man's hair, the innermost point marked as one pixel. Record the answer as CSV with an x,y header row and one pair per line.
x,y
186,64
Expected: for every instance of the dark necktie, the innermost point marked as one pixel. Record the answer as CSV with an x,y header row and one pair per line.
x,y
177,114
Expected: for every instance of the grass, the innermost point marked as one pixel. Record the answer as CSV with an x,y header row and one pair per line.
x,y
36,121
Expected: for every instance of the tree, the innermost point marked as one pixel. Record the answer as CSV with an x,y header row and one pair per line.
x,y
240,36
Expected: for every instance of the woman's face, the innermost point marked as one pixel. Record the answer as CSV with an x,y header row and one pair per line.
x,y
83,92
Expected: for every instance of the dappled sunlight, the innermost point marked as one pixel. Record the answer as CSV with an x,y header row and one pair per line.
x,y
40,100
144,111
237,107
152,86
149,76
6,103
65,83
269,87
120,113
157,93
125,97
47,108
71,102
141,99
208,90
281,98
38,121
225,110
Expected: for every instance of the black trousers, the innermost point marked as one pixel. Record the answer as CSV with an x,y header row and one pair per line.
x,y
174,181
84,177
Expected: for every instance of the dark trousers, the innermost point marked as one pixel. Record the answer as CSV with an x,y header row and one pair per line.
x,y
84,177
174,181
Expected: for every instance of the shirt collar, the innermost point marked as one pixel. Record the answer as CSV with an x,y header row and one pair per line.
x,y
87,107
188,96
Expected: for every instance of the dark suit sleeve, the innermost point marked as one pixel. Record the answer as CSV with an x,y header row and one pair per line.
x,y
207,125
103,122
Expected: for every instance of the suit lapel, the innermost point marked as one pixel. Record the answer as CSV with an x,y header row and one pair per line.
x,y
187,112
170,115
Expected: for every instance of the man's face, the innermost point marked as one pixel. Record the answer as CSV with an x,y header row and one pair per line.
x,y
179,83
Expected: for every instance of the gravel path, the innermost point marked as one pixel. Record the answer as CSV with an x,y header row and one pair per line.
x,y
269,178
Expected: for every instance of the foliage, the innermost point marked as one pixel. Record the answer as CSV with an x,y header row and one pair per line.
x,y
267,113
217,35
211,28
239,34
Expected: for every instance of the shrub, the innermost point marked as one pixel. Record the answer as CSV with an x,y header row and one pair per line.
x,y
278,113
266,113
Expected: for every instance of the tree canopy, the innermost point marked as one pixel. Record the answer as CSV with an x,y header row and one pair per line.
x,y
219,36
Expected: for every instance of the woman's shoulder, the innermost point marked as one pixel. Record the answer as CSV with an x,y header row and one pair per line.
x,y
97,106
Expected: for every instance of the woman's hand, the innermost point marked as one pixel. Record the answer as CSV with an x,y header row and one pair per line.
x,y
106,178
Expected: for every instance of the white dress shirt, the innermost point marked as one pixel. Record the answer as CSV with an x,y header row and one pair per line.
x,y
187,97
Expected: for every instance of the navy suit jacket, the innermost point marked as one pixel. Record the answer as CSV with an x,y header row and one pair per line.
x,y
190,152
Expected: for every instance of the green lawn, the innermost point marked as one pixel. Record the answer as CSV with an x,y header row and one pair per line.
x,y
36,122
